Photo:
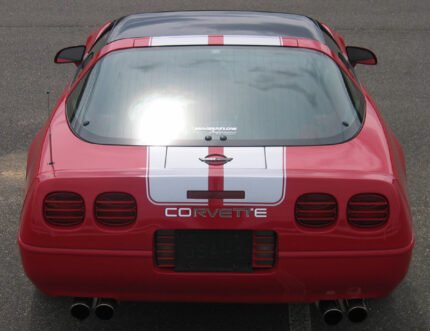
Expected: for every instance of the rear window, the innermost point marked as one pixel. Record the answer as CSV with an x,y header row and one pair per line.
x,y
216,95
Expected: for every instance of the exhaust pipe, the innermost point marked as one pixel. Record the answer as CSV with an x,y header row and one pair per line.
x,y
357,310
81,308
331,311
105,308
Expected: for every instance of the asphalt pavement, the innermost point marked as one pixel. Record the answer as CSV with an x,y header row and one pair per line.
x,y
32,31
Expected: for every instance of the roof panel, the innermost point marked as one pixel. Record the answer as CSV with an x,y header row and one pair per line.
x,y
215,22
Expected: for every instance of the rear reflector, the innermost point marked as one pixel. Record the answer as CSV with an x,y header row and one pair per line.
x,y
264,250
316,210
165,249
115,209
64,208
368,210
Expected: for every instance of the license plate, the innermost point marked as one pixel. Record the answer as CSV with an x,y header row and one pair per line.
x,y
213,250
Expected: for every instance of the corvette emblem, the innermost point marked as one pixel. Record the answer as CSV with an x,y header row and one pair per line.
x,y
186,212
215,159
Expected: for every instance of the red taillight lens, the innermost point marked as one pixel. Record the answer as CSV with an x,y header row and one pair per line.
x,y
368,210
64,208
316,210
115,209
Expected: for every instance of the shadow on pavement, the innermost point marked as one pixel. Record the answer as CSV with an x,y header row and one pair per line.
x,y
47,312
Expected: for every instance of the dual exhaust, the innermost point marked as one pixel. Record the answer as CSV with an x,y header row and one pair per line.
x,y
332,311
103,308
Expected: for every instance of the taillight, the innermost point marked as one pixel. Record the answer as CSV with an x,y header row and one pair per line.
x,y
64,208
316,210
368,210
115,209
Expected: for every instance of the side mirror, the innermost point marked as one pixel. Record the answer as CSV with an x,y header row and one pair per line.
x,y
72,54
360,55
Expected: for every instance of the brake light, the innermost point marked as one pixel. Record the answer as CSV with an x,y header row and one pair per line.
x,y
368,210
316,210
64,208
115,209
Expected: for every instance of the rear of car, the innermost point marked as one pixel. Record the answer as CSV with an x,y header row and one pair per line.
x,y
217,171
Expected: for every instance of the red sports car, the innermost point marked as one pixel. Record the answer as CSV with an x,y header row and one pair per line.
x,y
220,157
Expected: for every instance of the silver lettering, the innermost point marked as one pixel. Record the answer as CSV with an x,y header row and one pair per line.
x,y
217,212
200,212
225,213
170,212
260,212
185,212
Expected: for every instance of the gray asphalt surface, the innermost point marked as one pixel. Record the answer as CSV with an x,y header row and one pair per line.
x,y
32,31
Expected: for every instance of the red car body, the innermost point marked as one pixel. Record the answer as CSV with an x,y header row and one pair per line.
x,y
307,263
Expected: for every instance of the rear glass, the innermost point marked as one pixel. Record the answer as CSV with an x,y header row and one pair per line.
x,y
216,95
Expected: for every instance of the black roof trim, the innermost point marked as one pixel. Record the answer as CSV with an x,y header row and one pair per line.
x,y
215,22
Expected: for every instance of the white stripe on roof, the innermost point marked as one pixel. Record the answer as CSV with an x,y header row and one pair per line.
x,y
179,40
228,40
252,40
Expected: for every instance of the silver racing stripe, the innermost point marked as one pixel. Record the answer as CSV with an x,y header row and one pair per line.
x,y
258,171
172,171
179,40
252,40
262,185
226,40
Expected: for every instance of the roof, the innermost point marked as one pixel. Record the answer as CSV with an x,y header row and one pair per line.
x,y
214,23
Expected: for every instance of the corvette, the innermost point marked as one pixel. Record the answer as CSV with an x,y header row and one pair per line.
x,y
217,212
216,156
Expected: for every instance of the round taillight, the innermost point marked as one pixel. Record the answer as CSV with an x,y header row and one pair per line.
x,y
368,210
115,209
316,210
64,208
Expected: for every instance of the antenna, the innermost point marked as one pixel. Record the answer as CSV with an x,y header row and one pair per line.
x,y
48,100
51,160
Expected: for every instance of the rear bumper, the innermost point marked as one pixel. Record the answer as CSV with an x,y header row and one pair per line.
x,y
297,276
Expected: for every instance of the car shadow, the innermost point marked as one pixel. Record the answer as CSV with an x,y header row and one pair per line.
x,y
48,313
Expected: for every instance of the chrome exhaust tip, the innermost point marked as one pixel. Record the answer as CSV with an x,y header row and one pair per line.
x,y
356,310
81,308
105,308
331,311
